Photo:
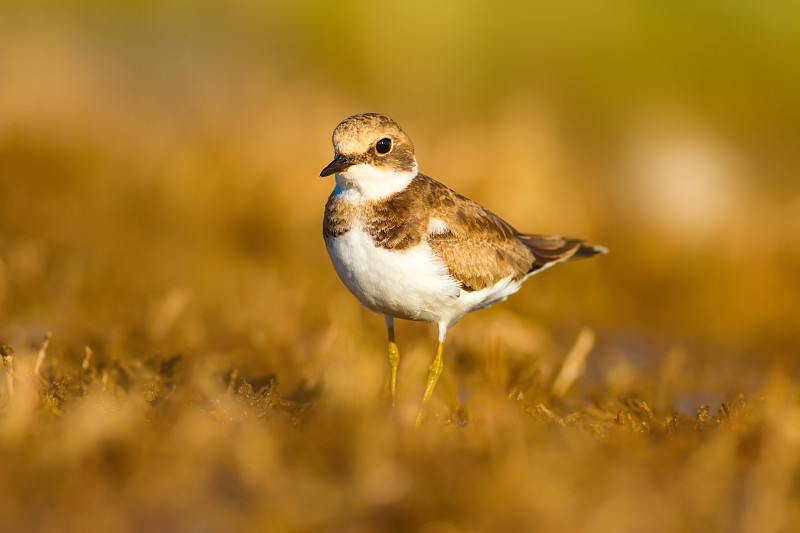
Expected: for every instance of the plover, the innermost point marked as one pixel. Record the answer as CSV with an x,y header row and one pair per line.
x,y
409,247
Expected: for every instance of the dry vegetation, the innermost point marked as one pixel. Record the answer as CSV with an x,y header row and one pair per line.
x,y
178,354
167,444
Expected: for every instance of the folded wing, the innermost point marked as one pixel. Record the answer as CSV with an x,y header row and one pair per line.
x,y
480,249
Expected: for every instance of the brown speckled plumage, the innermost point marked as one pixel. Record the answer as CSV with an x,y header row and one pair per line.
x,y
478,248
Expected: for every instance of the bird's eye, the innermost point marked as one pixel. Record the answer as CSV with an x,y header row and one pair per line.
x,y
383,146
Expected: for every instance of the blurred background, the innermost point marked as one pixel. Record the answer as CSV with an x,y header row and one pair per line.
x,y
163,157
159,189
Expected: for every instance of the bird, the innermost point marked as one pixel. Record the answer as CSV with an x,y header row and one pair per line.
x,y
409,247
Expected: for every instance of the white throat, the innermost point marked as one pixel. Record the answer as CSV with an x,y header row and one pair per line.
x,y
361,183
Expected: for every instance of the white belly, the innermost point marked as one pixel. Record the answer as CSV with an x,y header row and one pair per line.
x,y
412,284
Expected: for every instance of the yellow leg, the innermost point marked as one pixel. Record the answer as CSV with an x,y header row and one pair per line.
x,y
434,371
394,361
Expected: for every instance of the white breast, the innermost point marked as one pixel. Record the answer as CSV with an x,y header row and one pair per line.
x,y
411,284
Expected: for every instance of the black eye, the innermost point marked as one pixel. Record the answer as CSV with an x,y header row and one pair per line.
x,y
383,146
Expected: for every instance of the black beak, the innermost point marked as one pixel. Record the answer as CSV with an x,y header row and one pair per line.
x,y
338,164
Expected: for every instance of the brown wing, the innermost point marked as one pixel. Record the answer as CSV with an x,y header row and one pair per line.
x,y
481,249
478,248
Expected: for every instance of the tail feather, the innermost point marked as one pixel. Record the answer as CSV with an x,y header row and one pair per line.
x,y
586,251
549,249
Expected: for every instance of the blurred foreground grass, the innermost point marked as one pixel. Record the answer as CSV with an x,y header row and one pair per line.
x,y
181,444
160,215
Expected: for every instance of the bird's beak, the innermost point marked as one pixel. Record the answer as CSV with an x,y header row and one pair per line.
x,y
339,163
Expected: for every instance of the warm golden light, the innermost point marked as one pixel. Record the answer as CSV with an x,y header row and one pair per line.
x,y
160,215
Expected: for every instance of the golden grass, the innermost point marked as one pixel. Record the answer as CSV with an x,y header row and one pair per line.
x,y
183,444
206,371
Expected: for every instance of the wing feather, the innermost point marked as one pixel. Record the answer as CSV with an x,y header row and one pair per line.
x,y
477,247
480,248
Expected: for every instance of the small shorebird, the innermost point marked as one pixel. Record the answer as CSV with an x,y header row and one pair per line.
x,y
409,247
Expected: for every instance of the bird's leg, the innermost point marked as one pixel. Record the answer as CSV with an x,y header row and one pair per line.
x,y
394,354
434,371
